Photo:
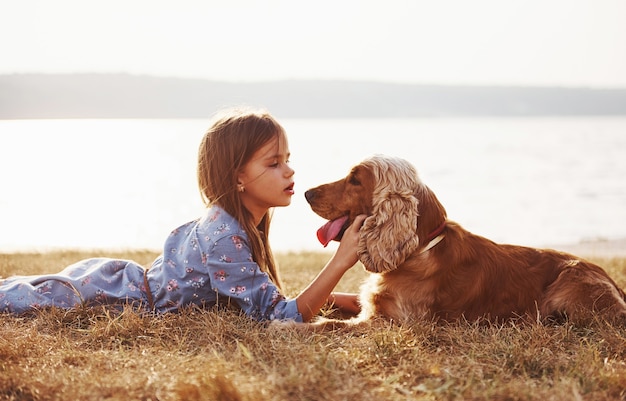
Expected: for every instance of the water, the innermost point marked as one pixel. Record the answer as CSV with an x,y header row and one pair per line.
x,y
127,183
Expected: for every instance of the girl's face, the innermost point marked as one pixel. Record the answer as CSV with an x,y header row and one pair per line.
x,y
267,178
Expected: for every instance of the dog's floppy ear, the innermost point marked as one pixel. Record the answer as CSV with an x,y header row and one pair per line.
x,y
389,235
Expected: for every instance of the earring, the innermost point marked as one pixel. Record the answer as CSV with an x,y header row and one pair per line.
x,y
241,188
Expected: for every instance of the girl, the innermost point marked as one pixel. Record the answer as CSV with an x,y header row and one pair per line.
x,y
222,257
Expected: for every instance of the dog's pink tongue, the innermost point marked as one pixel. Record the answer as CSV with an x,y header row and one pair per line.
x,y
330,230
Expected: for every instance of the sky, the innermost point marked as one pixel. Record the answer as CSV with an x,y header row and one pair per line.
x,y
578,43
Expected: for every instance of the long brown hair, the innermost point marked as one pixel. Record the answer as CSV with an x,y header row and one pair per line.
x,y
234,136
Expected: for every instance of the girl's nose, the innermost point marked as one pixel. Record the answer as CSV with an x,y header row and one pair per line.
x,y
290,171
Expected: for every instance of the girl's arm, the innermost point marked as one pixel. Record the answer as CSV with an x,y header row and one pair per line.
x,y
346,303
311,300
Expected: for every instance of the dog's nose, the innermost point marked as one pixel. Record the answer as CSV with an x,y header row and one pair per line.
x,y
309,195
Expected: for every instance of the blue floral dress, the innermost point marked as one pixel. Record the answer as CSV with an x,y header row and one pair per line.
x,y
204,262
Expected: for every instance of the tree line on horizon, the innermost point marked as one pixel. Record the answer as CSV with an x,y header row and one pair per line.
x,y
26,96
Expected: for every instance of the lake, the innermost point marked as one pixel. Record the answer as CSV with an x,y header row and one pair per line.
x,y
120,184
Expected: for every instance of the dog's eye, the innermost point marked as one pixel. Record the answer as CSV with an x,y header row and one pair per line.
x,y
354,181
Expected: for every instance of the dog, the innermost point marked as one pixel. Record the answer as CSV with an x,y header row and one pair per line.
x,y
427,267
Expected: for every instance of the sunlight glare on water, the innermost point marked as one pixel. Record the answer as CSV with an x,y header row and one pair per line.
x,y
128,183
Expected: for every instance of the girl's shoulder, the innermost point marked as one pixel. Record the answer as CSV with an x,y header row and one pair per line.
x,y
205,232
216,223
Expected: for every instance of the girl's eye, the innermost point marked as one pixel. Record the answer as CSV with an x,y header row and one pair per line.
x,y
277,164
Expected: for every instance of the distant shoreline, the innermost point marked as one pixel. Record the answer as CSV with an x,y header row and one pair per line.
x,y
76,96
601,248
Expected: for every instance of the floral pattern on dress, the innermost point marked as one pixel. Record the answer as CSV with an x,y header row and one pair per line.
x,y
220,275
237,241
172,285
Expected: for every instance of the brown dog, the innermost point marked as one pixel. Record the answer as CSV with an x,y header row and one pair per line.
x,y
428,267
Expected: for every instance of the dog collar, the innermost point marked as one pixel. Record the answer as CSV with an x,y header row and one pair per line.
x,y
435,237
437,231
433,242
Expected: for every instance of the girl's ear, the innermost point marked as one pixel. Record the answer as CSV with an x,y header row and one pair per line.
x,y
240,177
240,182
389,235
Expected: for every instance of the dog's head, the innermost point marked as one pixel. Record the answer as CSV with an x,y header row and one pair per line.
x,y
384,188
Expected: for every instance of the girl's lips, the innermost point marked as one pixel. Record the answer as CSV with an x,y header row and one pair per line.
x,y
290,190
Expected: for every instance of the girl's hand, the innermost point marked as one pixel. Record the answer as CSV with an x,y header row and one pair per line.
x,y
346,254
316,294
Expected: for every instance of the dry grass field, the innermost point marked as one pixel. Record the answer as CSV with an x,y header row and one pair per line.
x,y
99,354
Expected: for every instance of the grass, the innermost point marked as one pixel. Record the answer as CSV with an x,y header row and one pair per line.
x,y
96,354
